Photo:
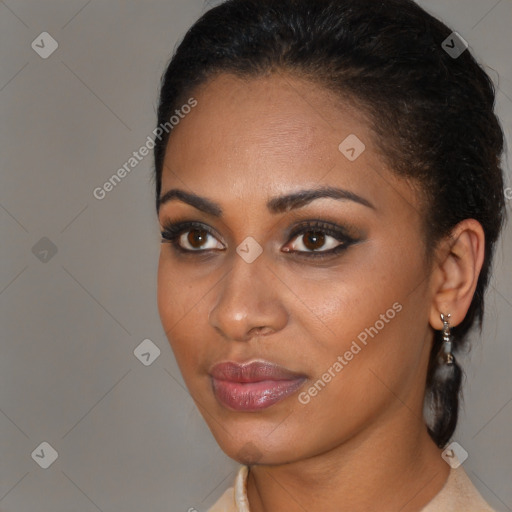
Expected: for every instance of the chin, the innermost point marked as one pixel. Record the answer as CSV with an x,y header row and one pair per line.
x,y
256,449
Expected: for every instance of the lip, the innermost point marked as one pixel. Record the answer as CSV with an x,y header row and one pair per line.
x,y
253,386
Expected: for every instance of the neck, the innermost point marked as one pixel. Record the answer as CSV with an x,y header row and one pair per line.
x,y
387,467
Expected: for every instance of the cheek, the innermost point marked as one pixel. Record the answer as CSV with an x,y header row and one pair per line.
x,y
175,301
355,382
167,296
177,293
380,366
341,307
181,305
364,317
368,288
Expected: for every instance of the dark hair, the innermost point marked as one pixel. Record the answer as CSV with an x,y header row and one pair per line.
x,y
432,114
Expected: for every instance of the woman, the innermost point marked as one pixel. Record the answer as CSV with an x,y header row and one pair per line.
x,y
329,199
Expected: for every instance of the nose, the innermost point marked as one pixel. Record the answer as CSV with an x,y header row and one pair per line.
x,y
248,302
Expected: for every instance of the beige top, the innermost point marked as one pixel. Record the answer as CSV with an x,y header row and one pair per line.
x,y
457,495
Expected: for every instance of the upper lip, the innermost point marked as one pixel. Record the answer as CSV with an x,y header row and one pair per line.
x,y
255,371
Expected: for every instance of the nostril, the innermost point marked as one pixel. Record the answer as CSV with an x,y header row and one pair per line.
x,y
261,331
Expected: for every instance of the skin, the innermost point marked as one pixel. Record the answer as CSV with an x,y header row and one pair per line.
x,y
361,443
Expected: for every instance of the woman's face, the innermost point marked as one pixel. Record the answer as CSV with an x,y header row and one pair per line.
x,y
332,289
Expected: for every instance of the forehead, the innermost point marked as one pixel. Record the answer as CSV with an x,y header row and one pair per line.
x,y
263,136
277,112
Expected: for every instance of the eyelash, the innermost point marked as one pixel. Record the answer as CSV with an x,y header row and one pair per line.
x,y
173,230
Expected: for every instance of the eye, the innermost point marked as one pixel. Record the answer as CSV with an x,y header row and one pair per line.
x,y
190,237
315,240
319,238
310,239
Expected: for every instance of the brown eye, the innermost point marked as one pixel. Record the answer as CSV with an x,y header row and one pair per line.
x,y
309,241
196,237
190,236
313,240
319,239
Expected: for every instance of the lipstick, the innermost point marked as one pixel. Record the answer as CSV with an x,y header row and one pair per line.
x,y
253,386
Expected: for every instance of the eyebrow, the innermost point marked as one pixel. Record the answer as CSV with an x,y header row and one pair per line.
x,y
275,205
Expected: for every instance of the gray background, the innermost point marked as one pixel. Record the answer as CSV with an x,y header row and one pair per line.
x,y
128,436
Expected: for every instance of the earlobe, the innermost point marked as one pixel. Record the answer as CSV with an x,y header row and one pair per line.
x,y
456,273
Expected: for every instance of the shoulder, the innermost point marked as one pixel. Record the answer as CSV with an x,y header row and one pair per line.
x,y
234,499
458,493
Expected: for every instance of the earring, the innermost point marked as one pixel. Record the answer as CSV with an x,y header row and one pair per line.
x,y
447,357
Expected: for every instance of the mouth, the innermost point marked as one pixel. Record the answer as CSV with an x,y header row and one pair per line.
x,y
253,386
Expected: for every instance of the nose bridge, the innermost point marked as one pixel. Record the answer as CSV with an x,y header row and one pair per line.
x,y
246,301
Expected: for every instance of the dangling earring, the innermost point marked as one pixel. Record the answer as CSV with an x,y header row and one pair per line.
x,y
447,355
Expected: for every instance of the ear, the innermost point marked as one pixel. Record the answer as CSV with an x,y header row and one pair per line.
x,y
455,274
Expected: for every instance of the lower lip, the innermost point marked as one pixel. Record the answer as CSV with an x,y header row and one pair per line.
x,y
254,396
